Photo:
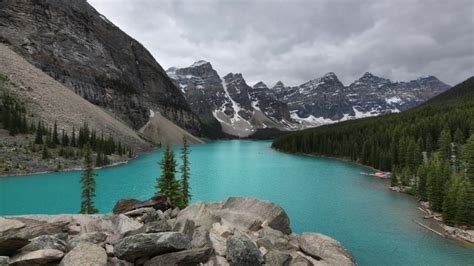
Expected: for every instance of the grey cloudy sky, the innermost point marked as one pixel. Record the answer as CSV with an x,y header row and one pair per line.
x,y
295,41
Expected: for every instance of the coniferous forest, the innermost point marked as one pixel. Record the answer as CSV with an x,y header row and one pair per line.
x,y
429,149
47,138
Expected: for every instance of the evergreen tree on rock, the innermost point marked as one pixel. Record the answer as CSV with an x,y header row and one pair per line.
x,y
88,184
166,183
185,172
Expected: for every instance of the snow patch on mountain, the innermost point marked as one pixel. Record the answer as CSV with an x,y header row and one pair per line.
x,y
393,99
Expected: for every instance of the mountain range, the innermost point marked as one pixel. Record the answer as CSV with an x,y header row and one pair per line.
x,y
242,109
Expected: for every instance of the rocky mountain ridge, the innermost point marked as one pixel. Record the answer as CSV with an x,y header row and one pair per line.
x,y
235,231
229,103
70,41
241,109
326,100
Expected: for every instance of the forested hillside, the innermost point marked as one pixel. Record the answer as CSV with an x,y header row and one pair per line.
x,y
28,143
430,148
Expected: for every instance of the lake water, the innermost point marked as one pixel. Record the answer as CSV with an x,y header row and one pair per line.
x,y
319,194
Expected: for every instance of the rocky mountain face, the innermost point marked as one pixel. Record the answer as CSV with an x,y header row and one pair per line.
x,y
73,43
229,103
235,231
240,109
326,100
322,96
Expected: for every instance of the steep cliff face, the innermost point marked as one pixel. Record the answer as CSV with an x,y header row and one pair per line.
x,y
73,43
264,99
203,90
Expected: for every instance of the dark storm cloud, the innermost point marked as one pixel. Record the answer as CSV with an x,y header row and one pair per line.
x,y
295,41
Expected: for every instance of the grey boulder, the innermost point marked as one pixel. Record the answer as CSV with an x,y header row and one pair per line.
x,y
185,257
246,213
324,248
16,233
85,254
142,245
152,227
274,257
45,242
42,256
240,250
97,238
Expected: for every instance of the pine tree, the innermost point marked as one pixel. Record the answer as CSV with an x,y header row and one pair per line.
x,y
55,134
444,144
185,172
422,174
405,176
394,177
99,159
465,204
167,183
73,137
439,172
450,204
459,137
64,138
45,153
468,158
88,184
39,135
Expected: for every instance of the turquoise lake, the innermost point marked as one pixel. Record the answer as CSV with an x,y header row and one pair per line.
x,y
319,194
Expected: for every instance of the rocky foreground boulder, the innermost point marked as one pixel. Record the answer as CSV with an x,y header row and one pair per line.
x,y
235,231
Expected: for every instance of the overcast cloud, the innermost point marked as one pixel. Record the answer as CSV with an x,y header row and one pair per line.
x,y
295,41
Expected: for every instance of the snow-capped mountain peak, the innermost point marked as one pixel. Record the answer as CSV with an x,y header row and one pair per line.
x,y
200,63
240,109
260,85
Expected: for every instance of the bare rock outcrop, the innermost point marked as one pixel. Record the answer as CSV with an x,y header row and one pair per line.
x,y
235,231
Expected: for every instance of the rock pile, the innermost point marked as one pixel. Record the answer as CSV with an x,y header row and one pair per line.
x,y
236,231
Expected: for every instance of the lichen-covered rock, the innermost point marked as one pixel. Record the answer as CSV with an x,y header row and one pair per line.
x,y
185,257
18,236
85,254
141,245
240,250
97,238
324,248
152,227
41,256
45,242
274,257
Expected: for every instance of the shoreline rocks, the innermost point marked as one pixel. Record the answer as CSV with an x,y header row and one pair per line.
x,y
235,231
